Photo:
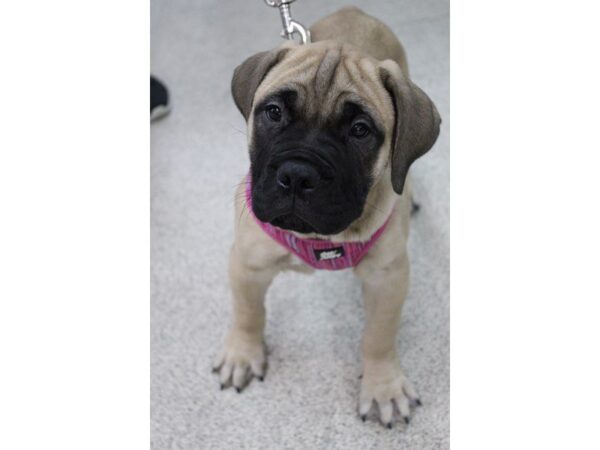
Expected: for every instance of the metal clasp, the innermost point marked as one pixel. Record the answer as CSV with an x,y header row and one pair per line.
x,y
290,26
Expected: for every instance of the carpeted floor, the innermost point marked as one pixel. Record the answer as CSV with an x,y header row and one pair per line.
x,y
309,398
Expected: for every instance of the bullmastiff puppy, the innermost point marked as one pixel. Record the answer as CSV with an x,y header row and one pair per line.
x,y
333,128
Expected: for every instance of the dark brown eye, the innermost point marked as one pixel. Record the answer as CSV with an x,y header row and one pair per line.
x,y
273,113
359,130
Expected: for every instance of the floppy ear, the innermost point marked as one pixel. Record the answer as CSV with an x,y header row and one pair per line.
x,y
417,123
248,76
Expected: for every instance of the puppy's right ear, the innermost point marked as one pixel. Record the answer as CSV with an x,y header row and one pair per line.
x,y
248,76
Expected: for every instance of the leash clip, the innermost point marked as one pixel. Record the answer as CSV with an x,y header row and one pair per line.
x,y
290,26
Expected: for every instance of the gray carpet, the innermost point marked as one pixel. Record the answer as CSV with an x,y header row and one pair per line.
x,y
309,397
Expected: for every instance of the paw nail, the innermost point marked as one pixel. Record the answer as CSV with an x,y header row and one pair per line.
x,y
238,390
418,402
406,420
222,386
261,378
363,417
389,426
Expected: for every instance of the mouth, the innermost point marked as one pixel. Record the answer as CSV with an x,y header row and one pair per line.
x,y
322,216
293,223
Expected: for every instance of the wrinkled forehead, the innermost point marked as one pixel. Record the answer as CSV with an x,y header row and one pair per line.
x,y
326,77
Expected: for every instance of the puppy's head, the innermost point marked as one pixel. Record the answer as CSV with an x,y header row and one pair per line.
x,y
324,124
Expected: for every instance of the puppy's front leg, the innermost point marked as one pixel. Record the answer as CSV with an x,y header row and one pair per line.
x,y
384,291
244,347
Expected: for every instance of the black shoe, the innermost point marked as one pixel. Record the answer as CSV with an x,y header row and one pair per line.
x,y
159,99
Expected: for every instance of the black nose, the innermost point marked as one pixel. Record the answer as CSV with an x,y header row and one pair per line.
x,y
297,177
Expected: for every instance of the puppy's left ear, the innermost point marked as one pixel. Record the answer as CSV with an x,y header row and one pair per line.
x,y
248,76
417,123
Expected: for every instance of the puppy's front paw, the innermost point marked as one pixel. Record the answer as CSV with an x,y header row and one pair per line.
x,y
242,356
385,388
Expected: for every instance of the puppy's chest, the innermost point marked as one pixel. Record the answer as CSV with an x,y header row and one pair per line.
x,y
293,262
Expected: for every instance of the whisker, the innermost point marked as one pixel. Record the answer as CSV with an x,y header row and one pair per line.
x,y
238,130
380,211
244,209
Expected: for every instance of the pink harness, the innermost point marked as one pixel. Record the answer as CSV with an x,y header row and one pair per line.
x,y
318,253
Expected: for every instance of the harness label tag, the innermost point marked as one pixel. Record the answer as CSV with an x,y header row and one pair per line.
x,y
329,253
